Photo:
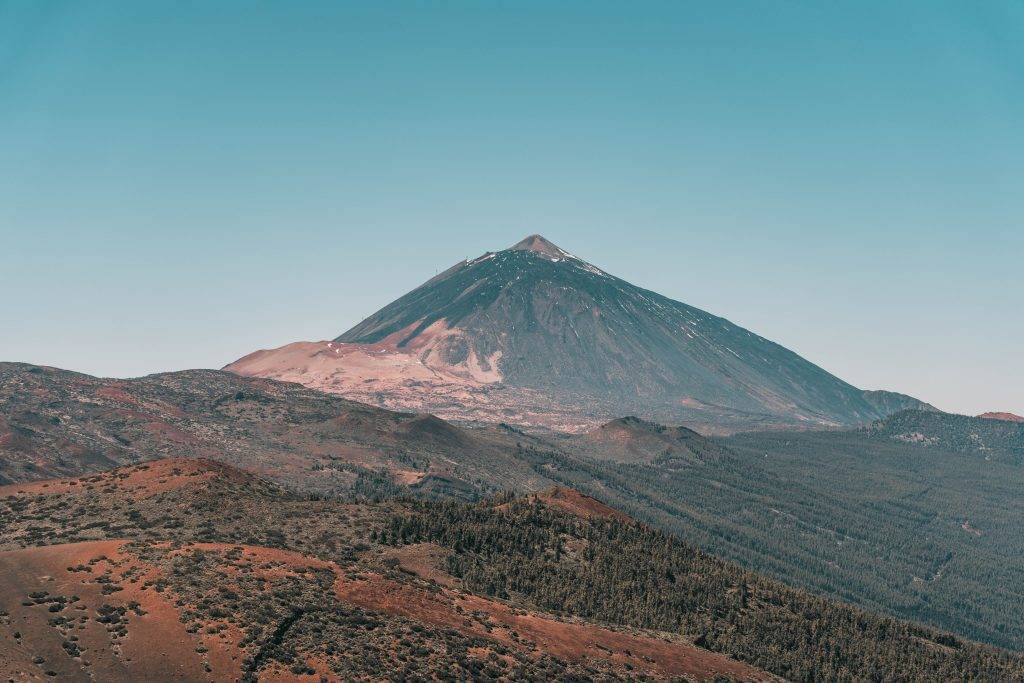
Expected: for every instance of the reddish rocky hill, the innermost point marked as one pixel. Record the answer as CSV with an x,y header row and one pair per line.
x,y
145,571
58,423
264,590
1005,417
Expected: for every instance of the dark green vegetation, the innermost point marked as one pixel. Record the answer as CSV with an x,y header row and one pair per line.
x,y
565,328
616,571
291,585
991,439
900,527
271,585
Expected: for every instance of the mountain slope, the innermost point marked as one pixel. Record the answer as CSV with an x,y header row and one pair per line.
x,y
59,423
632,440
143,570
999,438
813,508
142,573
555,331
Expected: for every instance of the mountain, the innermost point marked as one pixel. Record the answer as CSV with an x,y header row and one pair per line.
x,y
536,336
143,572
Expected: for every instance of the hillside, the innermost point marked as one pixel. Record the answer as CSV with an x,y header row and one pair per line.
x,y
143,568
815,509
991,438
137,579
58,423
533,335
898,527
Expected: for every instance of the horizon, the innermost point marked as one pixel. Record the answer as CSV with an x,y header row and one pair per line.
x,y
841,181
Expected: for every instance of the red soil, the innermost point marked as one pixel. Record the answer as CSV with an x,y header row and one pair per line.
x,y
572,501
116,392
137,481
156,641
661,657
1008,417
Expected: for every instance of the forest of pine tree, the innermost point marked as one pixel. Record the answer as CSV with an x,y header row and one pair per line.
x,y
627,573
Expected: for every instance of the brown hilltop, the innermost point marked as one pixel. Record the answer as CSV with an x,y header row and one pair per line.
x,y
633,440
539,245
141,481
579,504
1006,417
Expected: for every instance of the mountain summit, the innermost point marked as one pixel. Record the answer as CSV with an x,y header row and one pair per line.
x,y
539,245
537,336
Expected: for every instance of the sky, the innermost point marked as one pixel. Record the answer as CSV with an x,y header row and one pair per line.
x,y
182,183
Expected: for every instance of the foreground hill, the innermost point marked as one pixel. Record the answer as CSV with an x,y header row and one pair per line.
x,y
533,335
143,569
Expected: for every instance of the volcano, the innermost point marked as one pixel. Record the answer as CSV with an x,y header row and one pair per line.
x,y
536,336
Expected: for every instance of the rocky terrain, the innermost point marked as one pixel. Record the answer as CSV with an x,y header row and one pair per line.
x,y
537,337
815,509
1006,417
632,440
144,569
55,423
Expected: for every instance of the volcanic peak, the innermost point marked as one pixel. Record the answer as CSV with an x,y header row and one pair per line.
x,y
539,245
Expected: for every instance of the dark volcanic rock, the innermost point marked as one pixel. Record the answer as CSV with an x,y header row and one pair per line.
x,y
556,324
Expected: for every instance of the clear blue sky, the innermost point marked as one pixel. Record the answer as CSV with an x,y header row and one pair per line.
x,y
182,183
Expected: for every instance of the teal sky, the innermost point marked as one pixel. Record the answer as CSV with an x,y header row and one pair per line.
x,y
183,182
